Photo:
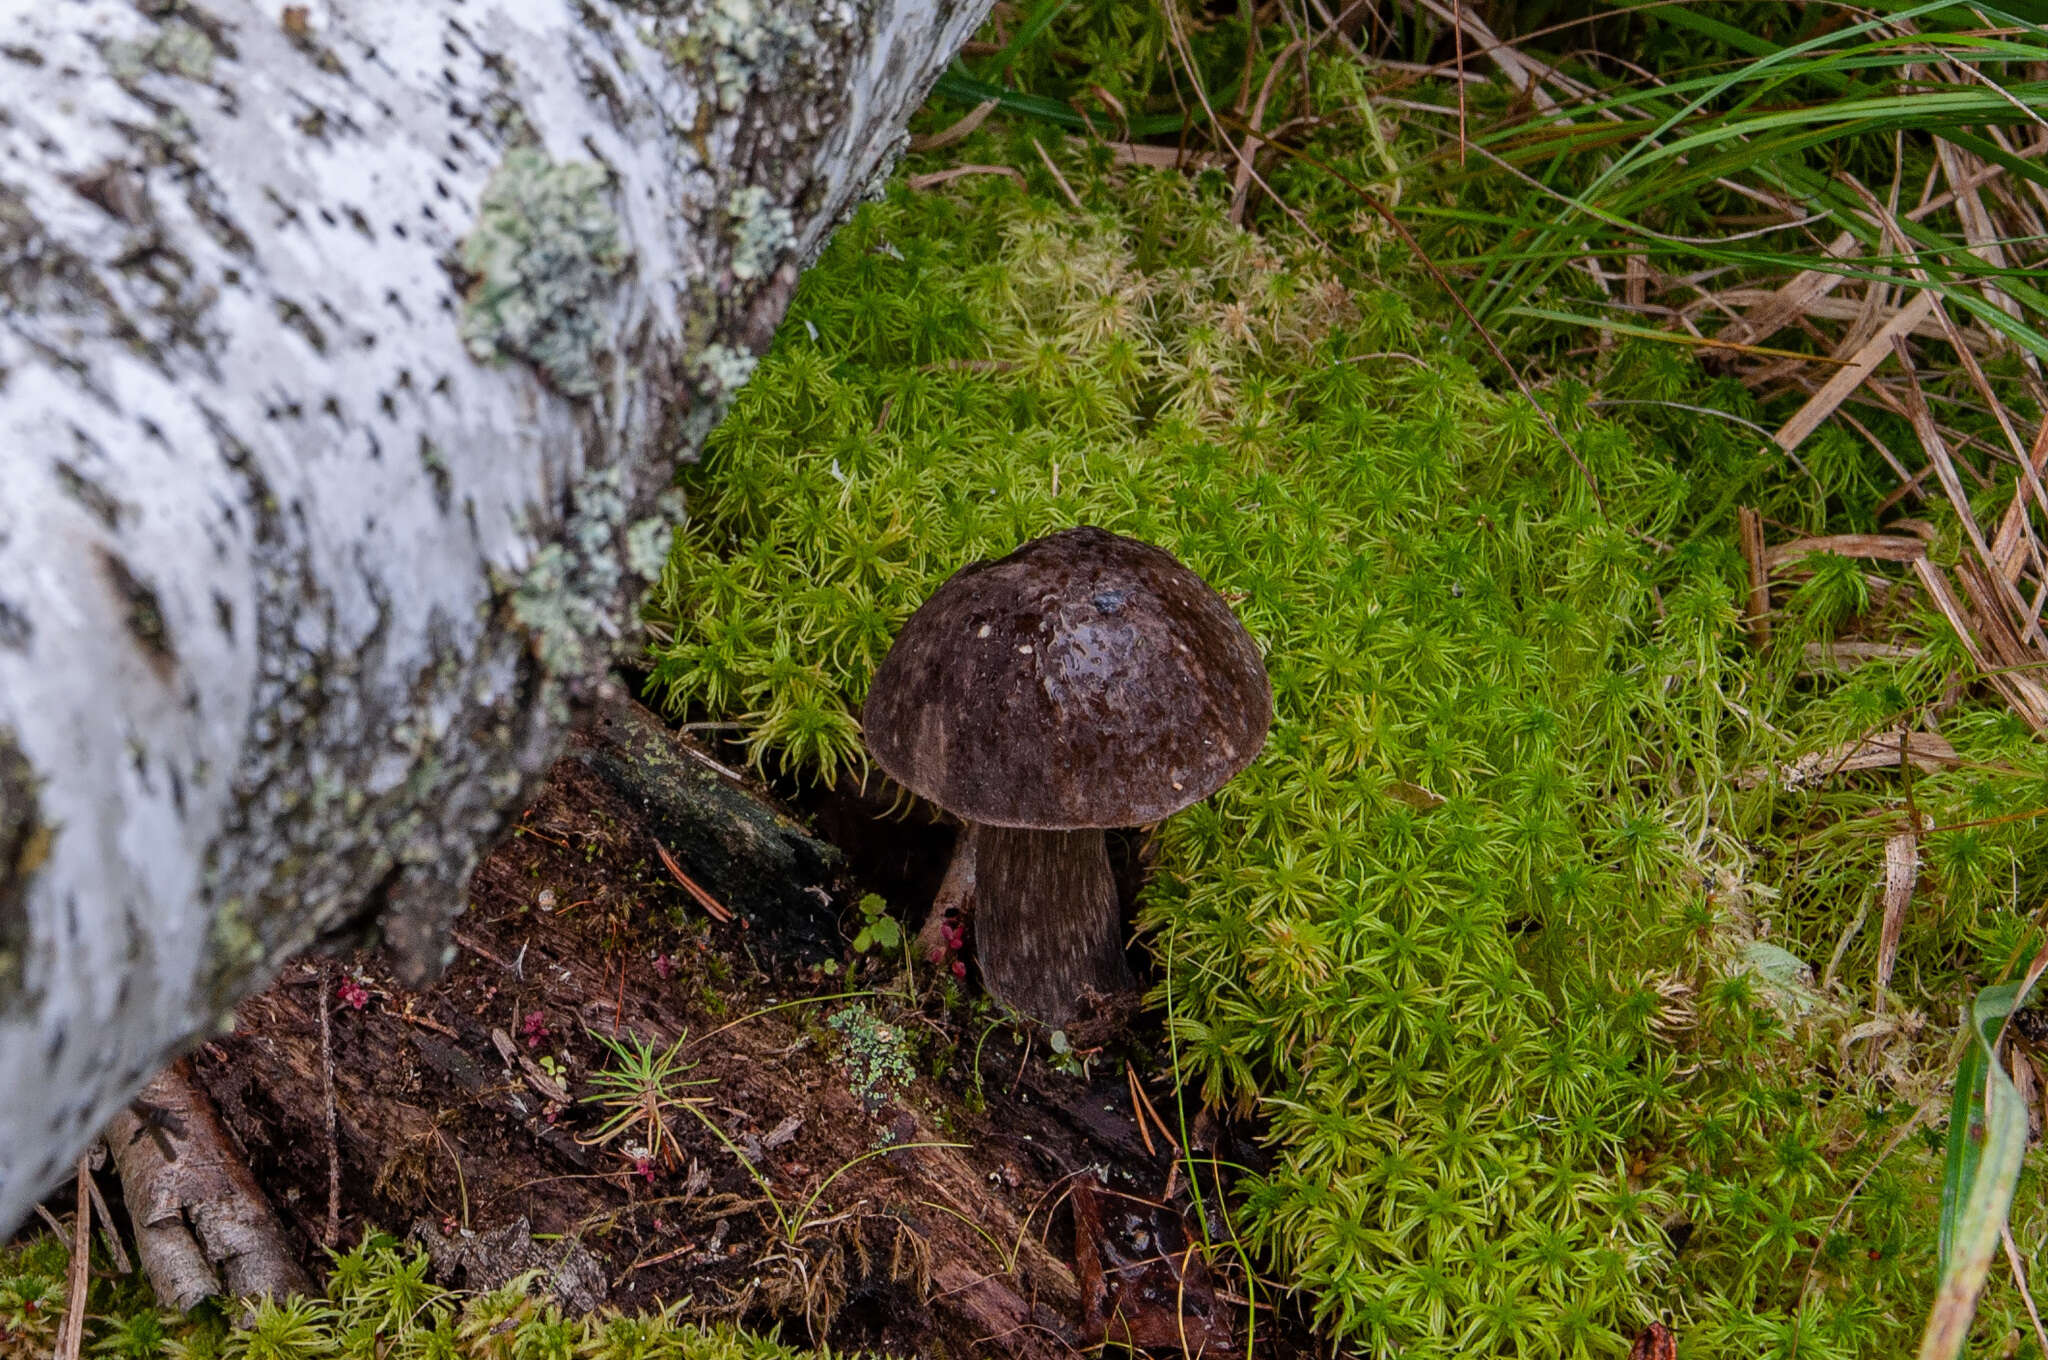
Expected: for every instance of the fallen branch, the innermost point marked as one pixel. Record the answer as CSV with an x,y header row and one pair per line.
x,y
202,1225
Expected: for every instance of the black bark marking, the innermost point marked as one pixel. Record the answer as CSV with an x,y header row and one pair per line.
x,y
95,498
116,191
145,616
25,843
301,321
437,471
15,629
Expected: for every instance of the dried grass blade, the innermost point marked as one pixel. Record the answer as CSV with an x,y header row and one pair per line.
x,y
1058,178
1859,366
2033,707
2011,545
1751,525
1848,655
920,183
1156,157
1794,300
957,132
2008,601
1879,547
1524,72
1901,873
71,1333
1925,751
2019,1276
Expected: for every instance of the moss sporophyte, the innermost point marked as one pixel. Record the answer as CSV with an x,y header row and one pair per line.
x,y
1474,932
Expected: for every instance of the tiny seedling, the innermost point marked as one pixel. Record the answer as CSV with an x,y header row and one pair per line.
x,y
639,1090
878,929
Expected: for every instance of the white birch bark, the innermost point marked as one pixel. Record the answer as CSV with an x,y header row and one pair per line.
x,y
346,349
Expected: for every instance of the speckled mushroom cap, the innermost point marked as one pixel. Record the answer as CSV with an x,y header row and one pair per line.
x,y
1086,680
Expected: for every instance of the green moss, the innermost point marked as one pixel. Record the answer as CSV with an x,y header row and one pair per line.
x,y
1545,1054
545,252
379,1303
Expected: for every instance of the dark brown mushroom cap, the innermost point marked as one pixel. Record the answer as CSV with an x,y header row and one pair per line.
x,y
1086,680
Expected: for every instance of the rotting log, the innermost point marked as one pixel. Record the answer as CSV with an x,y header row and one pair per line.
x,y
345,356
753,860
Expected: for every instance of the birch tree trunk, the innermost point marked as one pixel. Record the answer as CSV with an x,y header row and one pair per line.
x,y
346,351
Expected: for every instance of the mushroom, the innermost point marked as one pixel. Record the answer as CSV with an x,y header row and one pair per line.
x,y
1085,681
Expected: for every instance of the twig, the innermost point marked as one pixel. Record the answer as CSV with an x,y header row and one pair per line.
x,y
331,1234
412,1017
71,1336
2019,1276
115,1250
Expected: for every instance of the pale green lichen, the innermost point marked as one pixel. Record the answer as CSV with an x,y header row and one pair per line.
x,y
178,49
236,941
546,254
564,596
727,368
740,44
647,545
761,231
723,371
555,618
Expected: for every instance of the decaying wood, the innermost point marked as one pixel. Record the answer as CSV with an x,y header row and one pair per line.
x,y
446,1122
202,1225
752,859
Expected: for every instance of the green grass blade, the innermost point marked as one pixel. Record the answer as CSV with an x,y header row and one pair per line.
x,y
971,90
1987,1143
1026,34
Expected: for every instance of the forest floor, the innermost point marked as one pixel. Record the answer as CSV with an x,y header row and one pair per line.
x,y
856,1159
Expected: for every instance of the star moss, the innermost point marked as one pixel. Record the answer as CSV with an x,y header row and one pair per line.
x,y
1493,934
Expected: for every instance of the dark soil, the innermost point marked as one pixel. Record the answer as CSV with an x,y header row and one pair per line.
x,y
578,933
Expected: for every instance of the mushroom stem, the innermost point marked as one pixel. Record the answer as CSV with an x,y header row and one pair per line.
x,y
1045,919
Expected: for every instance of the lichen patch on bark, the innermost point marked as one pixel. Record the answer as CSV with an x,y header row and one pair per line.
x,y
546,253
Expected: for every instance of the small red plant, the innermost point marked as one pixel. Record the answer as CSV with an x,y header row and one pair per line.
x,y
353,994
535,1028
